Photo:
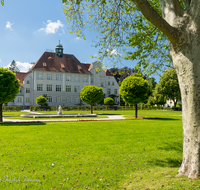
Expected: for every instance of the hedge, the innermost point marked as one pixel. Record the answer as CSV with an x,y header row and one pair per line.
x,y
11,108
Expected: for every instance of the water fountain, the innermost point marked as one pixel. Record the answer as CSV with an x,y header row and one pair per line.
x,y
58,115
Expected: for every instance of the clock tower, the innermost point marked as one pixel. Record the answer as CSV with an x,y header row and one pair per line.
x,y
59,50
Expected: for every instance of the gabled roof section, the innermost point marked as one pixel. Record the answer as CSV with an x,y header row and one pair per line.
x,y
68,63
20,76
108,73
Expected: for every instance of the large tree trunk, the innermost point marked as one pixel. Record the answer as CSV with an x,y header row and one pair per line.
x,y
182,29
1,115
187,65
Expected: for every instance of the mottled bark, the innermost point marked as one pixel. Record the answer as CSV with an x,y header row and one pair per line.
x,y
188,69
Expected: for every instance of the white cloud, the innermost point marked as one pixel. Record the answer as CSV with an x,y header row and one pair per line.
x,y
113,52
77,38
9,25
0,60
23,67
52,27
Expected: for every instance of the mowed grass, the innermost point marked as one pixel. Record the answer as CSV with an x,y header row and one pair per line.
x,y
126,154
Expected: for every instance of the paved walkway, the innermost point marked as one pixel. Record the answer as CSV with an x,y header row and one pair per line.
x,y
110,117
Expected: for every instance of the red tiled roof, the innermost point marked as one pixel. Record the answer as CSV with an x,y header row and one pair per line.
x,y
68,63
20,76
108,73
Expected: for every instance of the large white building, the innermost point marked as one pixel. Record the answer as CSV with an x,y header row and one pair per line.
x,y
61,77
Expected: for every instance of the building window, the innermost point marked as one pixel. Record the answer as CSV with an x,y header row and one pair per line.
x,y
76,79
68,88
20,90
58,88
39,87
68,78
58,77
113,83
92,80
27,90
27,99
27,82
49,87
115,91
68,99
76,88
49,98
85,79
108,91
40,76
58,99
19,99
108,82
76,100
49,76
102,84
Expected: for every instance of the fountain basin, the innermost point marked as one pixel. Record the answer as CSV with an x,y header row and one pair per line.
x,y
57,116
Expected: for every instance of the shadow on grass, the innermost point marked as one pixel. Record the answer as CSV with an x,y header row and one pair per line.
x,y
168,162
157,118
177,146
21,123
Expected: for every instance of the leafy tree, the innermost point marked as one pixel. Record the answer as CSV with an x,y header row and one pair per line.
x,y
122,73
152,85
134,90
168,86
41,100
146,24
9,87
108,101
151,101
120,24
91,95
13,67
159,99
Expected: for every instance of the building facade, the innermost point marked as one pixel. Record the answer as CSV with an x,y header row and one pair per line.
x,y
61,77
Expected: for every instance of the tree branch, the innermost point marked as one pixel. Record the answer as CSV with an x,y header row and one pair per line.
x,y
149,12
178,8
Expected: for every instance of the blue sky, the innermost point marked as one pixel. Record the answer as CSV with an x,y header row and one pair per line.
x,y
29,28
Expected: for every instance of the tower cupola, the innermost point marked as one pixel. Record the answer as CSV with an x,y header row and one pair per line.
x,y
59,50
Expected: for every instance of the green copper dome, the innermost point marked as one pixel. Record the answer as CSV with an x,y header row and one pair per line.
x,y
59,45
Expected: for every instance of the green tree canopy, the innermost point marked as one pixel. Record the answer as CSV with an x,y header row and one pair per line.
x,y
41,100
120,25
168,87
91,95
9,87
134,90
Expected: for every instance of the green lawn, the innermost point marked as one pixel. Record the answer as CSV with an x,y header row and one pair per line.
x,y
126,154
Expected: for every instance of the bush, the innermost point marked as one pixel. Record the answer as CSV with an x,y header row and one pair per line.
x,y
11,108
108,101
41,100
